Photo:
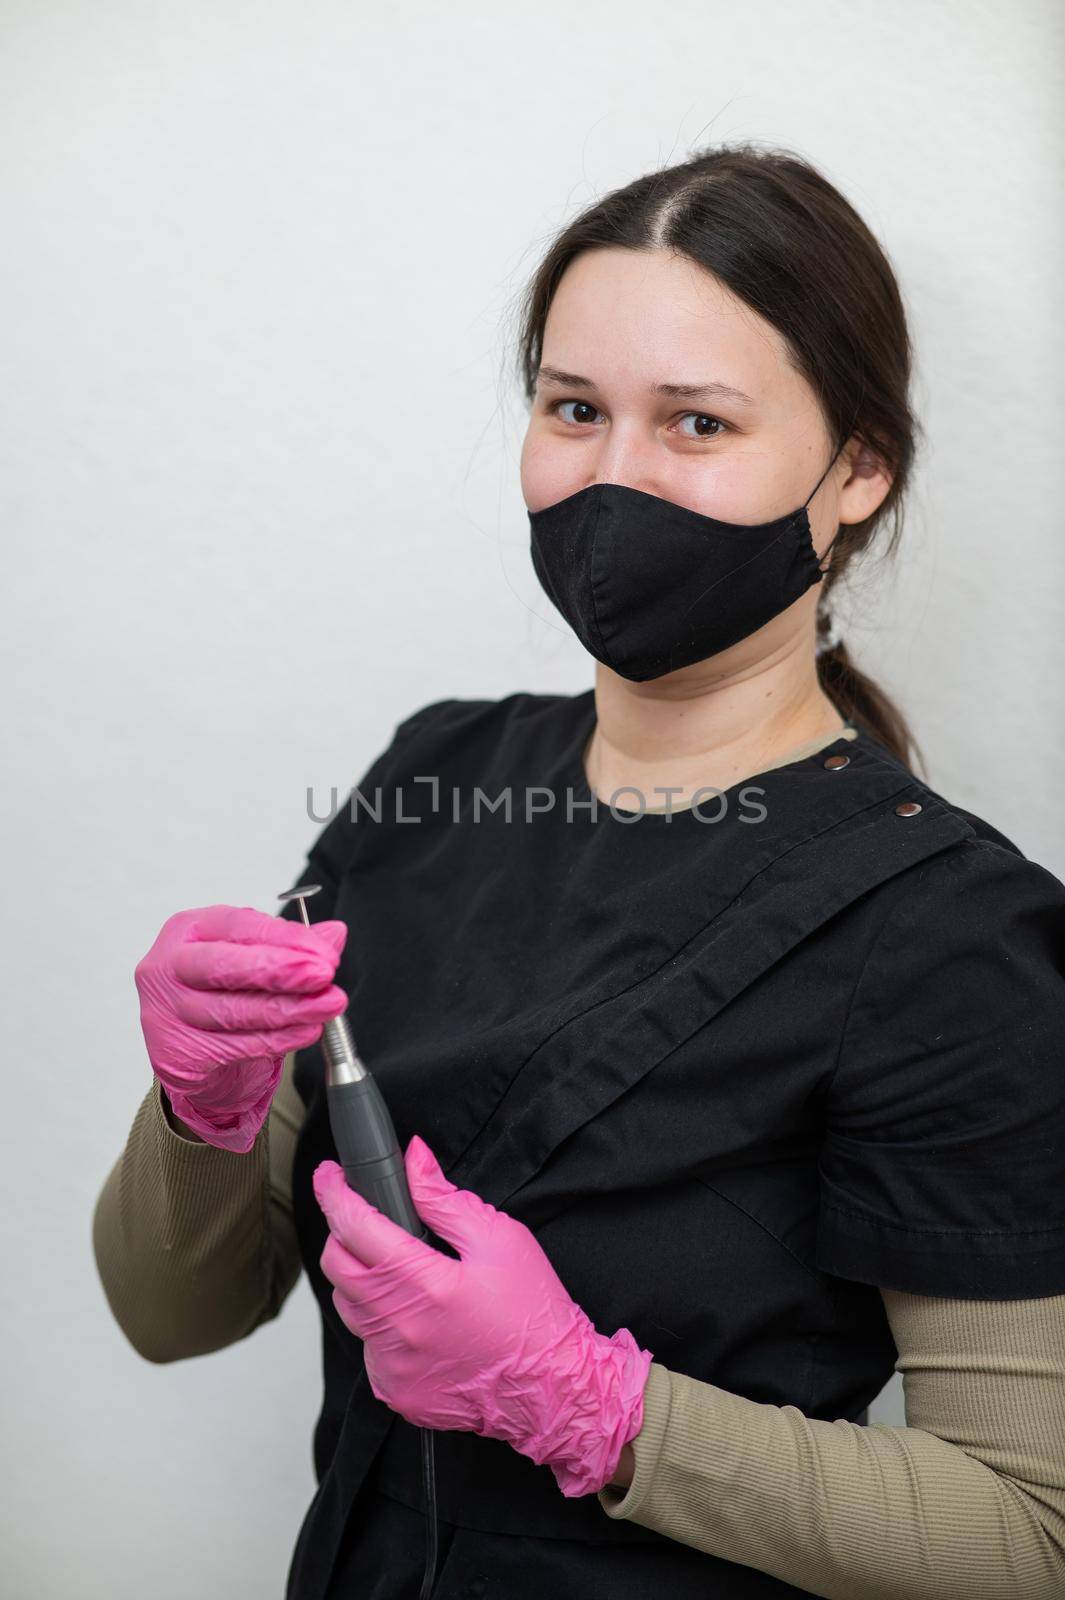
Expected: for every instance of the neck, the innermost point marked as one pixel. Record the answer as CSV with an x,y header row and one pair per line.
x,y
686,731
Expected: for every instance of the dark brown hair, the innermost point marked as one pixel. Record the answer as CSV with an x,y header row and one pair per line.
x,y
785,241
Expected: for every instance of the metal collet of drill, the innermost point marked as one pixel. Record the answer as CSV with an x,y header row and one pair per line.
x,y
361,1124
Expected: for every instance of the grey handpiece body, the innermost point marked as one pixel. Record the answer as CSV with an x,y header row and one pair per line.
x,y
369,1151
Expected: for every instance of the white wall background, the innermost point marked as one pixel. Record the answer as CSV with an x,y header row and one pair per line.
x,y
260,500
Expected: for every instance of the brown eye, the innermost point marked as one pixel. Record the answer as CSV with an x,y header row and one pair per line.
x,y
581,405
699,416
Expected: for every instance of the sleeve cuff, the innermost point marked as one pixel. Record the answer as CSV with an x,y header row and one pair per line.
x,y
179,1152
646,1447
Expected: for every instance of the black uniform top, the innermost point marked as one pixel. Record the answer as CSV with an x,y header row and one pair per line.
x,y
734,1074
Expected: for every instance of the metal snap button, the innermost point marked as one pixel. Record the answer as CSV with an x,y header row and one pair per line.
x,y
907,808
833,763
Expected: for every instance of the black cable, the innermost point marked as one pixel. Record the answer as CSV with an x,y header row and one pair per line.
x,y
429,1482
374,1167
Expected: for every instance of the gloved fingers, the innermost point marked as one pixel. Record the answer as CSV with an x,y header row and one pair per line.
x,y
371,1237
458,1215
348,1275
301,967
387,1298
362,1323
369,1326
253,1010
223,1049
247,925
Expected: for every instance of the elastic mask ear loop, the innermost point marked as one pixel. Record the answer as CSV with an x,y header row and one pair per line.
x,y
823,476
814,490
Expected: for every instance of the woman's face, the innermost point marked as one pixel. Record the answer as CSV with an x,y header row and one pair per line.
x,y
626,331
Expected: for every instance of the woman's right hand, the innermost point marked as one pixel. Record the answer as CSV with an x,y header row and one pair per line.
x,y
225,993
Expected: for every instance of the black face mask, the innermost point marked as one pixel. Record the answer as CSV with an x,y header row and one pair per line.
x,y
649,586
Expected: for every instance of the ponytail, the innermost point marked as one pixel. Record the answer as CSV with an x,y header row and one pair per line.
x,y
862,702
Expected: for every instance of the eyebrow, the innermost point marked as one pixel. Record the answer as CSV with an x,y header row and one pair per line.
x,y
676,391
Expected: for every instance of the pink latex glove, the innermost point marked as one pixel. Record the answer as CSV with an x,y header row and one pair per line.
x,y
489,1344
225,993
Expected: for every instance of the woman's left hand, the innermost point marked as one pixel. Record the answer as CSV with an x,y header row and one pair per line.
x,y
490,1343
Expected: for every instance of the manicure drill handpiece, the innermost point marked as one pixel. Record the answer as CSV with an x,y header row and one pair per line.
x,y
362,1127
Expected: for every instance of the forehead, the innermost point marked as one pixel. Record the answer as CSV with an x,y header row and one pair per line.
x,y
657,315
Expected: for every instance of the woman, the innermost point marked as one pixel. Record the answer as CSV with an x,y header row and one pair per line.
x,y
740,1047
